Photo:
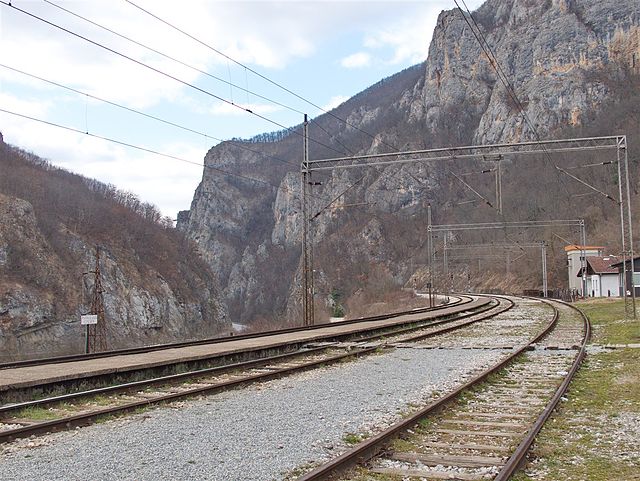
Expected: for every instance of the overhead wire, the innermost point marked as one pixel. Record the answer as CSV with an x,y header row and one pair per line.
x,y
255,72
153,151
169,57
165,74
494,62
144,114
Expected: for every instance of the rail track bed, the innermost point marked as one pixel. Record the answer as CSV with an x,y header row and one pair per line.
x,y
274,429
481,430
84,407
27,380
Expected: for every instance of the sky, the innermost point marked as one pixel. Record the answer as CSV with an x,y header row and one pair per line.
x,y
323,51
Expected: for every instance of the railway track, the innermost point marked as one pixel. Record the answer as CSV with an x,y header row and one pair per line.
x,y
459,300
483,429
56,379
84,407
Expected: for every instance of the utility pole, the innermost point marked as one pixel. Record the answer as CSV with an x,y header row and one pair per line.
x,y
544,269
96,339
499,184
307,241
430,255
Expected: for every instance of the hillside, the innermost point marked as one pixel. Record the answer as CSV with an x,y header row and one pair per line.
x,y
156,287
575,67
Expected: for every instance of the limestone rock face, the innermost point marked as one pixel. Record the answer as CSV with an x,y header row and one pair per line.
x,y
556,56
41,294
562,58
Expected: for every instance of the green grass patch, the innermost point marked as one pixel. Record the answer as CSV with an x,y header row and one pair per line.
x,y
609,322
352,438
576,444
35,413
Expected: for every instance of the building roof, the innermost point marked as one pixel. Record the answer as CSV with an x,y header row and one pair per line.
x,y
619,264
602,264
575,247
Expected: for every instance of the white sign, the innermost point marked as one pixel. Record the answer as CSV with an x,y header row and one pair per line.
x,y
89,319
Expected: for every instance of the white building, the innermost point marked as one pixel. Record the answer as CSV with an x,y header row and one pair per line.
x,y
574,263
603,280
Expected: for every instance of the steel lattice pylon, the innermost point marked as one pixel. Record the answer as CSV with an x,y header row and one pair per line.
x,y
97,333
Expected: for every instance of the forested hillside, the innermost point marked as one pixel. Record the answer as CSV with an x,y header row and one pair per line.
x,y
156,287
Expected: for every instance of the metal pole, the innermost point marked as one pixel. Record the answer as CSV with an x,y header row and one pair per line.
x,y
544,270
86,339
629,224
307,260
499,185
445,266
625,285
583,258
430,254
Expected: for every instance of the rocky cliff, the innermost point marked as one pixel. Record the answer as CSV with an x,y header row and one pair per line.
x,y
568,61
156,289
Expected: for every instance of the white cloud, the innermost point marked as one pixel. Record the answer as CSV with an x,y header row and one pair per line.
x,y
268,36
165,182
356,60
33,108
334,102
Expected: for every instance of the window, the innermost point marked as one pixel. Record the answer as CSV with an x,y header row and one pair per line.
x,y
636,279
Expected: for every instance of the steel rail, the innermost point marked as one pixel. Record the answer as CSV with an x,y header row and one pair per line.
x,y
89,417
217,340
367,449
445,330
445,320
8,408
519,455
244,364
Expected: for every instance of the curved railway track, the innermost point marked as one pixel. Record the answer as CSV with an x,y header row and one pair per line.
x,y
459,300
47,379
84,407
483,429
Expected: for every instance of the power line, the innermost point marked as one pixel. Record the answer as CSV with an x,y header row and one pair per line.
x,y
152,151
185,64
264,77
165,74
153,117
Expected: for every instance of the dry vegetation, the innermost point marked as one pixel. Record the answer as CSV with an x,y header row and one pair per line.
x,y
67,204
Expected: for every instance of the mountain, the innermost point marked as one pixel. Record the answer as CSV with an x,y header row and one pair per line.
x,y
156,286
574,65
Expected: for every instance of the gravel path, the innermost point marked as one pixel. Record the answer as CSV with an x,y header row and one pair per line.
x,y
258,433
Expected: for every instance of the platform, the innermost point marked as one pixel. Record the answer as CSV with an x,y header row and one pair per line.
x,y
31,376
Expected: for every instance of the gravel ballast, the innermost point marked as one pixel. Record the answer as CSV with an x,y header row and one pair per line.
x,y
258,433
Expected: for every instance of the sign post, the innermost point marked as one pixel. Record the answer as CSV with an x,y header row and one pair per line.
x,y
88,320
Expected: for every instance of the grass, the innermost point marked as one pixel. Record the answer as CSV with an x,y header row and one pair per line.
x,y
35,413
593,436
609,322
352,438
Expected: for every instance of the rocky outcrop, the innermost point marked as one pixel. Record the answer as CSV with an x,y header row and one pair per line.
x,y
556,56
562,58
44,290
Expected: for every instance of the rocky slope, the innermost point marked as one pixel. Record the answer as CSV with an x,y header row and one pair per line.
x,y
569,61
51,222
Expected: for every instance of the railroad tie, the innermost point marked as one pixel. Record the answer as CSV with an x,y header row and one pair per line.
x,y
491,424
466,447
480,433
429,474
451,460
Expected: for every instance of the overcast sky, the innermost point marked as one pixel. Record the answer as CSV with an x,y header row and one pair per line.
x,y
325,51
